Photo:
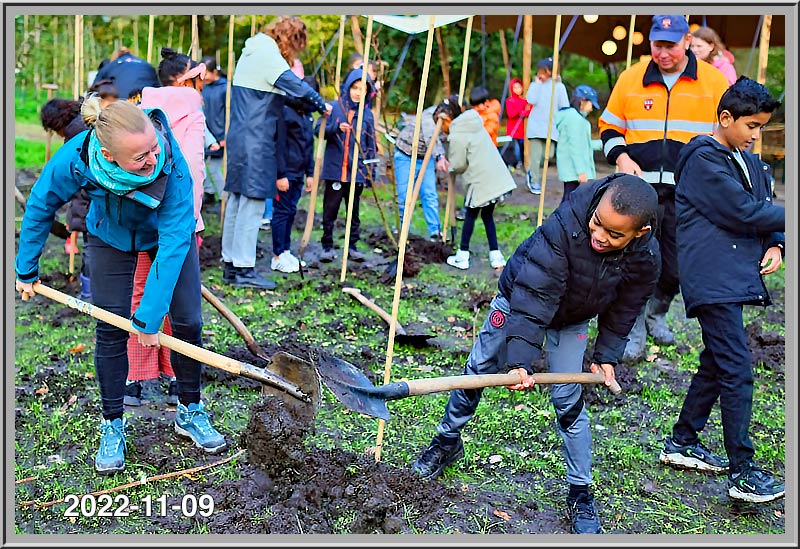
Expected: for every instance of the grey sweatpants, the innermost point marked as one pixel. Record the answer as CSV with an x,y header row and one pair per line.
x,y
565,348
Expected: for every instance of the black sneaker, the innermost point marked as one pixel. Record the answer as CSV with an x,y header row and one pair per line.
x,y
755,485
246,277
355,255
582,514
133,394
172,392
327,255
228,272
436,457
692,456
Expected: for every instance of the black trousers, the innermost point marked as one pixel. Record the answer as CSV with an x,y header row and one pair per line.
x,y
569,186
331,201
487,215
725,373
668,285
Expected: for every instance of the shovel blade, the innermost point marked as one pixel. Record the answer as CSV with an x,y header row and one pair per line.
x,y
297,371
351,387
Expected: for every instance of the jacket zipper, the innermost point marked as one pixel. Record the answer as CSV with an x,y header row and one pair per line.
x,y
664,140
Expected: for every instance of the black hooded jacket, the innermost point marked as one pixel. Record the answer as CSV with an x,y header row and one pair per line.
x,y
724,225
555,278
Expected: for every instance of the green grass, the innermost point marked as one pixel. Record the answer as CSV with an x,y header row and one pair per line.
x,y
31,154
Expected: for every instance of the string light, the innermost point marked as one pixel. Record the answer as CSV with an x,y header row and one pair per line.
x,y
619,32
638,38
609,47
591,18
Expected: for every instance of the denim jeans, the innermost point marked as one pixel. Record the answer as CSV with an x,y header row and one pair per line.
x,y
565,348
112,288
725,373
268,208
283,214
240,230
427,192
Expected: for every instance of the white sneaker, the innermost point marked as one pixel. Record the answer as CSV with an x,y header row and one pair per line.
x,y
460,260
285,263
296,259
496,259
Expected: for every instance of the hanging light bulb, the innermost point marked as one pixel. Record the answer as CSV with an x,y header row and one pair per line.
x,y
638,38
609,47
619,32
591,18
693,27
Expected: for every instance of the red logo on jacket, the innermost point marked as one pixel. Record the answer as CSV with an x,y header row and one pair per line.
x,y
648,104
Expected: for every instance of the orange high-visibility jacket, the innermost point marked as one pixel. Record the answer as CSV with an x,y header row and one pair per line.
x,y
652,123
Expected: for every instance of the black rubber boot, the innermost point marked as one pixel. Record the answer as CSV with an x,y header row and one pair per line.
x,y
637,338
655,318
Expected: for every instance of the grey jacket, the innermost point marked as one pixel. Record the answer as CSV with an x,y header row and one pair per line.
x,y
405,138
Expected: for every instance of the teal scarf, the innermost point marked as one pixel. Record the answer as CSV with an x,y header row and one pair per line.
x,y
113,178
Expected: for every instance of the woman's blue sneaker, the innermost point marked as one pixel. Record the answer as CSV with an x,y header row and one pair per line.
x,y
110,457
192,421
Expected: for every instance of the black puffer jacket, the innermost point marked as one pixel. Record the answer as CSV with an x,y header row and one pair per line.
x,y
555,278
725,225
128,73
214,96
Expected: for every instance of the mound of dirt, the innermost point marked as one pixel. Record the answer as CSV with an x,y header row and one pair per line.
x,y
767,348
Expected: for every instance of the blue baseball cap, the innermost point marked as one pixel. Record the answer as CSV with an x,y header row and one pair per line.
x,y
670,28
586,92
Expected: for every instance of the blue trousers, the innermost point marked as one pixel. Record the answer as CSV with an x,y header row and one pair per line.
x,y
284,210
112,286
427,192
565,348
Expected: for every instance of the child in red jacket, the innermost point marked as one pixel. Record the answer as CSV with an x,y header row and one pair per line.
x,y
517,110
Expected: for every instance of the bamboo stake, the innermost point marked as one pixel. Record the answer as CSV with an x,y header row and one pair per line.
x,y
312,204
195,39
354,169
81,70
358,39
527,47
504,47
180,39
169,38
444,63
252,25
407,221
76,73
630,42
338,77
165,476
763,56
449,210
224,198
554,77
150,25
55,80
49,136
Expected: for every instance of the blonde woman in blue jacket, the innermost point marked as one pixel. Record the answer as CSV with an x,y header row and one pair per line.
x,y
575,151
141,199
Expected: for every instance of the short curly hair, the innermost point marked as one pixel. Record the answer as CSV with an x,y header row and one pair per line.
x,y
290,34
58,113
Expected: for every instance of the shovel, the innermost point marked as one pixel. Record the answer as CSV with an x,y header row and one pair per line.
x,y
354,390
416,339
236,322
304,383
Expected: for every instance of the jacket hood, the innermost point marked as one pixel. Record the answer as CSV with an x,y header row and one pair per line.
x,y
467,122
697,142
511,87
354,75
176,101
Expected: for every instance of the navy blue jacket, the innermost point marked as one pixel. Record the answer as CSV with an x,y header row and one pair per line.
x,y
555,278
128,73
340,146
725,225
299,140
214,109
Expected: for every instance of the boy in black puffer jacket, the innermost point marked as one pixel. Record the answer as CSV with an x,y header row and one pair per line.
x,y
729,235
594,256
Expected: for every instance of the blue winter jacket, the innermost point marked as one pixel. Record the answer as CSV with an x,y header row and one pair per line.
x,y
724,225
214,109
299,140
338,162
261,81
119,221
555,278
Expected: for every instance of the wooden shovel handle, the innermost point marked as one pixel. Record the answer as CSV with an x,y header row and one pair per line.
x,y
314,185
356,293
426,386
187,349
235,321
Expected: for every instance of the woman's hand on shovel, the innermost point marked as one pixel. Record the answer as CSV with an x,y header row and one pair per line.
x,y
148,340
526,380
25,290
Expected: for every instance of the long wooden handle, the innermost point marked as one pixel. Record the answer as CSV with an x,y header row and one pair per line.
x,y
235,321
73,244
426,386
356,293
314,185
187,349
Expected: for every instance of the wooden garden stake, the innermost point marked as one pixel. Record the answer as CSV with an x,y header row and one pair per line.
x,y
338,78
401,254
169,38
231,60
449,211
527,43
195,39
76,73
354,169
358,39
180,39
49,135
547,142
443,62
252,25
312,204
150,38
761,78
630,41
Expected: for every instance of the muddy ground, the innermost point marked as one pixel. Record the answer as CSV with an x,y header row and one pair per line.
x,y
308,490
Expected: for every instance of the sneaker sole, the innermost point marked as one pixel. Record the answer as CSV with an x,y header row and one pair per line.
x,y
438,470
750,497
213,450
679,461
109,470
131,401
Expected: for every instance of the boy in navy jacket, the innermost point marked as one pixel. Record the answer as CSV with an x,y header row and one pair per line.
x,y
337,165
595,256
729,236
